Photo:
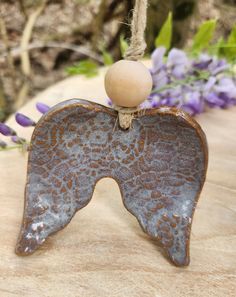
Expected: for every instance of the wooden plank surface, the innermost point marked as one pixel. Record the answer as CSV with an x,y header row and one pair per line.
x,y
103,251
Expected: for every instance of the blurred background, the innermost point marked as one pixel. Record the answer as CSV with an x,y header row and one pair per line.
x,y
41,40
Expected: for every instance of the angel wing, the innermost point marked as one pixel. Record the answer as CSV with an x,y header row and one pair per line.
x,y
160,165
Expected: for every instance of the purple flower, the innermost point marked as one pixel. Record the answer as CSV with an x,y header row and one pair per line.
x,y
146,105
202,65
155,101
218,66
191,84
212,99
41,107
203,62
192,102
160,78
226,85
227,100
157,59
178,63
177,57
6,130
109,102
209,84
3,144
24,121
159,70
18,140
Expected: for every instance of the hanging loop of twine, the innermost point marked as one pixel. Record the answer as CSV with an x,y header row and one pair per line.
x,y
138,44
134,52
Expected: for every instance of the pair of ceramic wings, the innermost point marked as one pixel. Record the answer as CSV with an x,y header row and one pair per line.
x,y
159,164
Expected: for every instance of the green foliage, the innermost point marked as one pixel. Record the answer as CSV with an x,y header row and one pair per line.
x,y
165,36
222,48
86,67
123,45
225,48
204,36
107,58
229,48
216,50
201,42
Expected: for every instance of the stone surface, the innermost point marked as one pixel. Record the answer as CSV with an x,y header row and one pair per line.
x,y
159,164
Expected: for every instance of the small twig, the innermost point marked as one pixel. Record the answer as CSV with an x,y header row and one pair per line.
x,y
22,8
4,35
2,99
98,23
10,62
25,60
22,147
16,52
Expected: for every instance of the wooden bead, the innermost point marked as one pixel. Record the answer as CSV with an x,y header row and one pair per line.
x,y
128,83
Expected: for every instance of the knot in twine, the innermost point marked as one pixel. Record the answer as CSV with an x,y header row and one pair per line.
x,y
126,115
134,52
138,44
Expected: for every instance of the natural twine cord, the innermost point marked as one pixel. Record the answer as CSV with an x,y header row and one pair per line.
x,y
134,52
138,44
126,116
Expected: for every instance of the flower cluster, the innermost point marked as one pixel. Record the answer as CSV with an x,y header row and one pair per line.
x,y
190,84
23,121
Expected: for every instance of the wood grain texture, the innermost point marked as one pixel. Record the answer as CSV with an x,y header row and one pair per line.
x,y
103,251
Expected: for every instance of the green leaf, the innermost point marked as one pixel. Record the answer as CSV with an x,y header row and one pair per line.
x,y
123,45
232,36
230,50
204,36
217,48
86,67
165,36
107,58
226,49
